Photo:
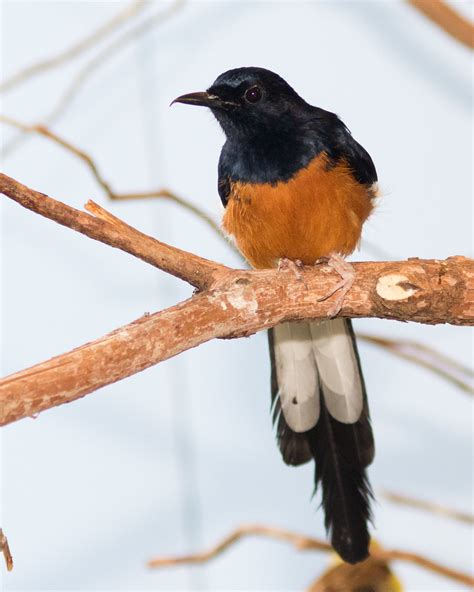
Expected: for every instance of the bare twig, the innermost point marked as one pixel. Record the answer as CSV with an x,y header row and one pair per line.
x,y
153,20
427,357
5,550
77,48
195,270
448,19
303,542
102,56
299,541
161,193
427,506
231,303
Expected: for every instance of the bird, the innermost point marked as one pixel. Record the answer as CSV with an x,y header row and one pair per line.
x,y
296,189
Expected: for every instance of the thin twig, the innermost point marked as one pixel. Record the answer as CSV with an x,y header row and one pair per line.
x,y
77,48
155,19
195,270
299,541
91,164
302,542
120,42
427,506
5,550
161,193
448,19
427,357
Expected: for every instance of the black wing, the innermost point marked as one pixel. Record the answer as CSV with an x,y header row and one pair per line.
x,y
333,137
356,156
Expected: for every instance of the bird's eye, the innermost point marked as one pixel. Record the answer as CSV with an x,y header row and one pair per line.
x,y
253,94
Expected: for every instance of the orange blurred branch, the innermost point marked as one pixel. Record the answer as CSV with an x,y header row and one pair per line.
x,y
5,550
448,19
303,542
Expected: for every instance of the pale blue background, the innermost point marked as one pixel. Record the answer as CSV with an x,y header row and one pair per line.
x,y
170,460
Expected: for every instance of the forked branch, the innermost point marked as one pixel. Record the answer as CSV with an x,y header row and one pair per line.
x,y
230,303
305,543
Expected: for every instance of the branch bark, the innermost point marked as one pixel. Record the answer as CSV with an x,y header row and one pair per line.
x,y
231,303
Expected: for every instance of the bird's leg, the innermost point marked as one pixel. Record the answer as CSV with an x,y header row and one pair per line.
x,y
295,266
346,271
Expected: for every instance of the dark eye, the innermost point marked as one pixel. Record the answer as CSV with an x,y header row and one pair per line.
x,y
253,94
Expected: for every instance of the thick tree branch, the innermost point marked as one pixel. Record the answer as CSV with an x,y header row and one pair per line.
x,y
414,352
305,543
231,303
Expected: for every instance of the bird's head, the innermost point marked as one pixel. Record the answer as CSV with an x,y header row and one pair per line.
x,y
249,101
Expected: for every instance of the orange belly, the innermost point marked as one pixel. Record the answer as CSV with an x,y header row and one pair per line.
x,y
319,211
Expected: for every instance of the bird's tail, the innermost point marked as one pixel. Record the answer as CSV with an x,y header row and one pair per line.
x,y
321,412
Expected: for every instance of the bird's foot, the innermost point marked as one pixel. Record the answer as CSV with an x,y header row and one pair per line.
x,y
347,273
294,266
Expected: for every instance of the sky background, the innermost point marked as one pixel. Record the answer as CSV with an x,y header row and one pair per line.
x,y
170,460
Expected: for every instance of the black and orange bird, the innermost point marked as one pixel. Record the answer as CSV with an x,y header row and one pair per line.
x,y
297,187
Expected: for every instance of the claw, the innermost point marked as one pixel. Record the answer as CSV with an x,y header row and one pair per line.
x,y
295,266
346,271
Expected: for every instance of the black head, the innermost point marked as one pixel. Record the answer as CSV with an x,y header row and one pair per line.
x,y
249,101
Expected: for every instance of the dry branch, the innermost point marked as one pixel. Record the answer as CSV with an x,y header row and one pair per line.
x,y
427,357
448,19
427,506
303,542
231,303
5,550
417,353
158,17
77,48
195,270
160,193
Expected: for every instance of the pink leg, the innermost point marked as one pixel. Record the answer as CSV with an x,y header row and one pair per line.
x,y
296,266
346,271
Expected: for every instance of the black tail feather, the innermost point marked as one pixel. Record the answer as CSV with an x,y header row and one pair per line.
x,y
294,447
346,492
341,453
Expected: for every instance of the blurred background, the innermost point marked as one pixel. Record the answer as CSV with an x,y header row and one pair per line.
x,y
172,459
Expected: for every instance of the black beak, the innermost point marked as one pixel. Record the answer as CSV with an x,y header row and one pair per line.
x,y
204,99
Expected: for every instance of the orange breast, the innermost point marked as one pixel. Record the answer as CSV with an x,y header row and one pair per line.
x,y
319,211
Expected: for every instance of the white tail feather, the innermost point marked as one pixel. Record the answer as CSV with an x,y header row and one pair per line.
x,y
297,375
338,369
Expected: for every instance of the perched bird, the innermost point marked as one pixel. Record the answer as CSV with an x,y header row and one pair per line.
x,y
297,187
